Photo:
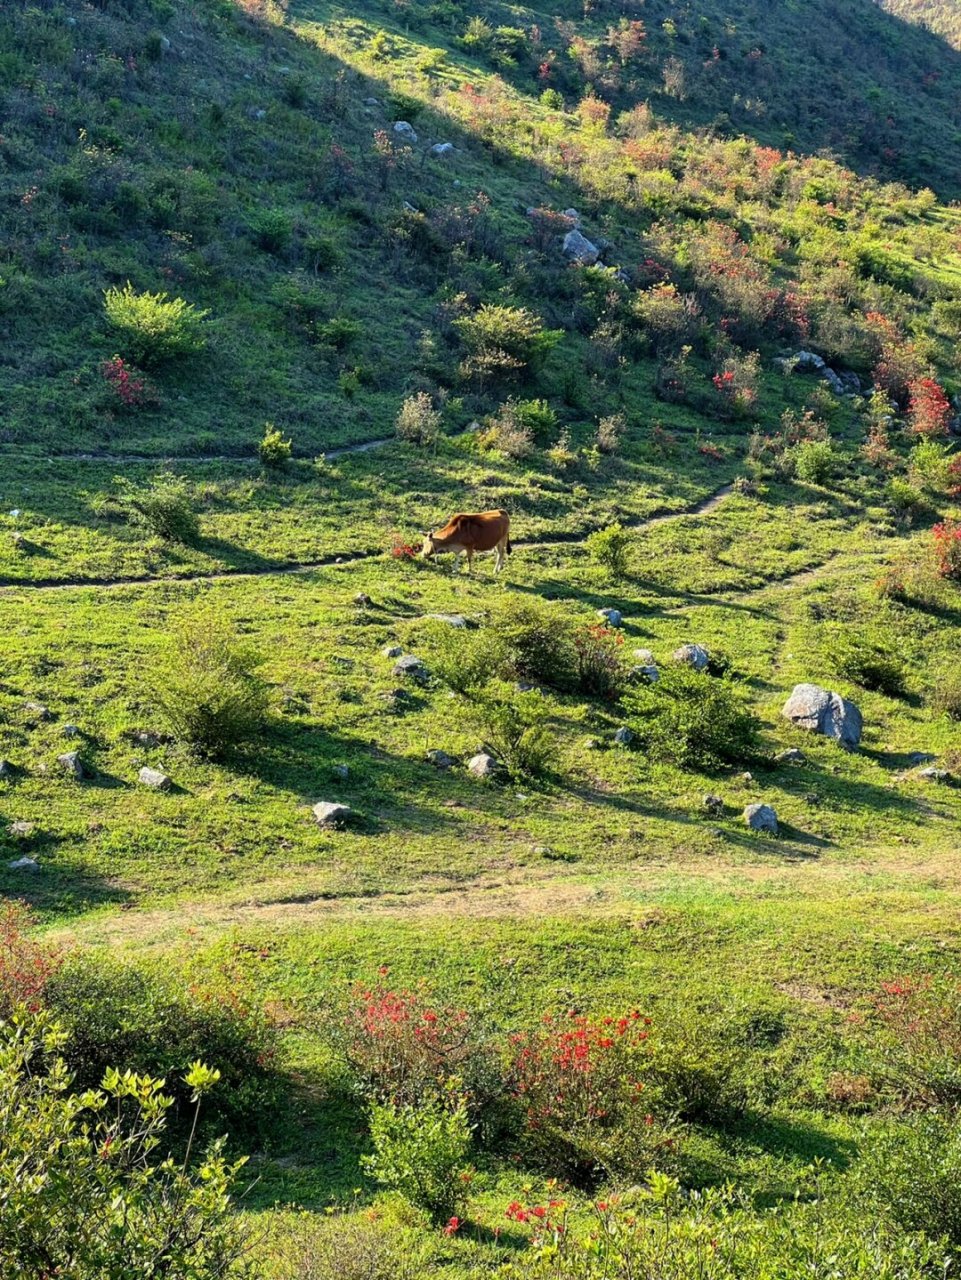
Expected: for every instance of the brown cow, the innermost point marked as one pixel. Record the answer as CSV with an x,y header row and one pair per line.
x,y
466,534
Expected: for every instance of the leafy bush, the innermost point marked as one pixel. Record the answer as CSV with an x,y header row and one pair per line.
x,y
164,506
535,417
466,660
26,965
514,728
904,499
599,658
947,549
418,421
144,1017
272,230
929,465
153,328
206,685
946,698
610,432
920,1045
814,461
273,449
871,659
504,341
693,719
507,432
914,1174
421,1152
83,1191
610,548
342,1246
536,640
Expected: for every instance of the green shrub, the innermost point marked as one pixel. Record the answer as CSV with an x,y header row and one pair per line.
x,y
206,686
466,660
693,719
872,659
514,728
814,461
536,417
552,100
164,506
504,341
339,1245
145,1018
418,422
914,1173
610,548
601,671
84,1189
421,1152
946,699
905,501
536,639
272,230
274,450
152,327
929,465
339,332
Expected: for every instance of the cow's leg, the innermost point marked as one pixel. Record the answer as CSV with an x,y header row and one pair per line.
x,y
470,560
456,565
501,553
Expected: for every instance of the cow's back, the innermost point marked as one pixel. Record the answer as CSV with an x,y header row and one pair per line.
x,y
476,531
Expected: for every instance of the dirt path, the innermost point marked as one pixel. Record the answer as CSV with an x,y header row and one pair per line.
x,y
703,507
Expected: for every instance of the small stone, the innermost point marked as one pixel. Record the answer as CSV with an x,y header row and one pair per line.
x,y
440,759
145,738
392,651
483,766
71,731
574,216
791,756
525,686
640,675
747,778
341,771
39,710
921,757
822,711
613,617
24,864
6,769
405,130
452,619
362,600
71,763
257,113
444,150
164,44
714,805
372,102
694,655
624,737
761,817
332,815
577,248
411,667
21,828
935,775
154,779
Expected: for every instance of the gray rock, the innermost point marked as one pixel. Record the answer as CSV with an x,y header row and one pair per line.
x,y
640,674
392,651
332,815
341,771
624,736
808,362
405,130
694,655
6,769
71,731
362,600
443,149
145,738
440,759
452,619
821,711
71,763
525,686
39,710
761,817
372,102
165,45
935,775
574,216
791,756
154,779
24,864
577,248
833,381
410,666
921,757
483,766
613,617
257,113
851,382
21,828
714,805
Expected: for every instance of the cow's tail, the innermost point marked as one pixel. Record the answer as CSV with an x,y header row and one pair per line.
x,y
510,546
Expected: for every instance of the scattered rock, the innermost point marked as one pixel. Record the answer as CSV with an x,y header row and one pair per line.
x,y
24,864
39,710
440,759
145,738
332,815
341,771
362,600
405,130
808,362
577,248
746,778
71,731
833,381
792,756
646,667
442,149
372,102
821,711
410,666
935,775
921,757
165,45
71,763
257,113
392,651
483,766
850,381
613,617
452,619
6,769
525,686
761,817
574,216
694,655
624,737
21,828
714,805
154,779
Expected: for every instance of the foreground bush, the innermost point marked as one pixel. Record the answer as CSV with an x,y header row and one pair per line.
x,y
421,1152
84,1193
152,327
694,720
26,966
157,1025
914,1176
274,449
514,728
418,422
341,1246
164,506
610,548
206,685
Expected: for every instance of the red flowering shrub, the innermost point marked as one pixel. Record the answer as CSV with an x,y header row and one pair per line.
x,y
712,451
599,659
402,1047
587,1107
947,549
929,409
897,362
736,384
402,550
26,966
922,1017
130,387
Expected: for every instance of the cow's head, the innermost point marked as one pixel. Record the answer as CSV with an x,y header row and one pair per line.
x,y
429,547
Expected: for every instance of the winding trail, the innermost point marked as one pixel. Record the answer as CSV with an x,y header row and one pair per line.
x,y
705,506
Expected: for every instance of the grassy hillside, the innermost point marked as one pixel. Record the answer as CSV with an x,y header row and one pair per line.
x,y
662,453
939,16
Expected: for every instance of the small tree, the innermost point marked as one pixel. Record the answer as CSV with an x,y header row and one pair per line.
x,y
421,1152
164,506
82,1189
610,548
504,341
274,450
418,422
694,720
154,328
206,685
